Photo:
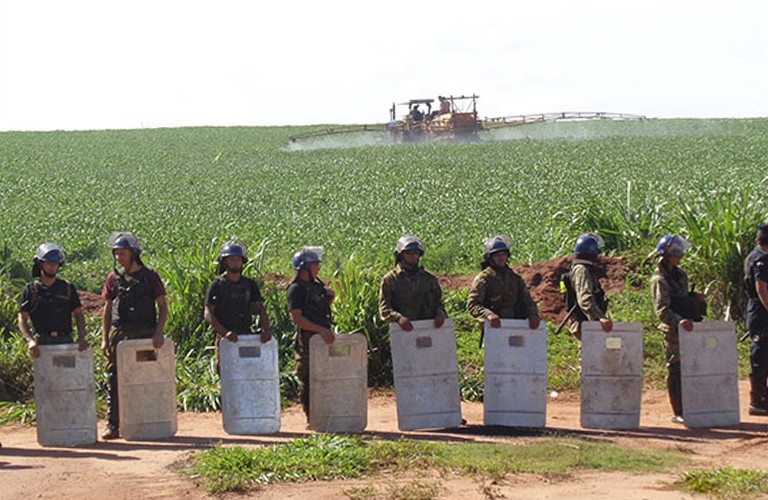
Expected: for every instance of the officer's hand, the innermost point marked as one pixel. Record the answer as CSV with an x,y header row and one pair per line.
x,y
607,324
231,336
158,340
328,336
494,320
266,336
439,319
405,323
82,345
331,295
34,349
534,322
686,324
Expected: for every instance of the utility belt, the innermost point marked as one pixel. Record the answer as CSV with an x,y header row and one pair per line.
x,y
55,337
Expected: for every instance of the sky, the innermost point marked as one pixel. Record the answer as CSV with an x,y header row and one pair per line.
x,y
96,64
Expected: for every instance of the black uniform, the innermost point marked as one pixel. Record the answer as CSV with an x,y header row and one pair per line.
x,y
315,305
756,269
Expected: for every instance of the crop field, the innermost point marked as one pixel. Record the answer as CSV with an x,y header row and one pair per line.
x,y
181,189
185,191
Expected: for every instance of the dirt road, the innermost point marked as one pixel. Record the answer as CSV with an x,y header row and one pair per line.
x,y
123,470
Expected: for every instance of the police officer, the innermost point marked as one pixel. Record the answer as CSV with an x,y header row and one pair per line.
x,y
135,308
675,307
499,292
756,277
408,292
309,305
232,298
590,303
50,303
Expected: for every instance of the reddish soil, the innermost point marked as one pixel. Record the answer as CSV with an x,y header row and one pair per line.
x,y
129,470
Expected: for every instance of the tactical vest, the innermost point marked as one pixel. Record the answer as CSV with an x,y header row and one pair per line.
x,y
134,306
317,303
414,297
50,313
501,299
233,307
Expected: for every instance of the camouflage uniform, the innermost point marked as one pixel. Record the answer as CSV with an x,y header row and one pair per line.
x,y
414,294
667,285
589,296
502,292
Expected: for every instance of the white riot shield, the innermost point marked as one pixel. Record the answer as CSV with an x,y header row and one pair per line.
x,y
250,385
709,374
426,373
515,392
146,385
611,375
65,396
338,388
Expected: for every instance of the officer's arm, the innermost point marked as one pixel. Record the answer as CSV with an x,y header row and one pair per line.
x,y
662,303
162,317
106,325
266,327
386,311
80,323
209,315
762,292
23,322
476,299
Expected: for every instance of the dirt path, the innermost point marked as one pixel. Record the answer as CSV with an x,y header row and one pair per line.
x,y
122,470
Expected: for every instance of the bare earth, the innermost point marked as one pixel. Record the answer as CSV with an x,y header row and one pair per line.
x,y
130,470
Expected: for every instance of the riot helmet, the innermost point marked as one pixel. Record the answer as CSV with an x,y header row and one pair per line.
x,y
588,245
672,246
496,244
233,247
47,252
306,256
124,239
409,242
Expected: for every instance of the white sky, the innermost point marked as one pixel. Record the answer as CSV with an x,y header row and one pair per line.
x,y
95,64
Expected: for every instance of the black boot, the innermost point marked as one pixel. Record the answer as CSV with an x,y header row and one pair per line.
x,y
758,403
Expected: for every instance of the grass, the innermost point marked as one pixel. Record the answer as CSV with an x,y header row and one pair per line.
x,y
333,457
726,483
